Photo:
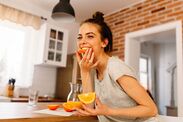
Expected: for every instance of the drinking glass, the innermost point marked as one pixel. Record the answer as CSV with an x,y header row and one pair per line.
x,y
33,97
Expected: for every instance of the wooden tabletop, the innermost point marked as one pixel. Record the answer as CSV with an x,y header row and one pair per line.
x,y
16,112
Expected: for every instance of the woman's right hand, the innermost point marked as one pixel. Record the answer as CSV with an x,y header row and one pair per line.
x,y
100,109
86,62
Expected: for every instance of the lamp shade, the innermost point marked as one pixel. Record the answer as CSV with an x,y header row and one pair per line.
x,y
63,11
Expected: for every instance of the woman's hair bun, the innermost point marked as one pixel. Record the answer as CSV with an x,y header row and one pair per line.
x,y
98,16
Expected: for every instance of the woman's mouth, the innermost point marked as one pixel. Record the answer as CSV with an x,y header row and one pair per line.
x,y
82,50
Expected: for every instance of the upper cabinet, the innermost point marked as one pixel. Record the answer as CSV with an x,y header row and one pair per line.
x,y
52,46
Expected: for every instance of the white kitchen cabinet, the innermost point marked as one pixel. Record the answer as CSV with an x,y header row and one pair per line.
x,y
52,46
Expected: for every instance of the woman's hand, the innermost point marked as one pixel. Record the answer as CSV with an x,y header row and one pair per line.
x,y
86,62
100,109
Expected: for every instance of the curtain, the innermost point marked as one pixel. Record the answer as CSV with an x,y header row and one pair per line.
x,y
17,53
19,17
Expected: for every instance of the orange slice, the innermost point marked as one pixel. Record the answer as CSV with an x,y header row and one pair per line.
x,y
53,107
87,98
71,105
82,51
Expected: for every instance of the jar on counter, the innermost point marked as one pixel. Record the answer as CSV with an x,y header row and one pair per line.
x,y
75,89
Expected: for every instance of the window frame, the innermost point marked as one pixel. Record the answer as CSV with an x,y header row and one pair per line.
x,y
147,70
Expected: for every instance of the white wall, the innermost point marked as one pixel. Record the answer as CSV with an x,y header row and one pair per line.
x,y
44,78
165,55
162,57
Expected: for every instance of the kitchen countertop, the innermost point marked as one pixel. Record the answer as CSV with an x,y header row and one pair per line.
x,y
41,99
19,111
25,99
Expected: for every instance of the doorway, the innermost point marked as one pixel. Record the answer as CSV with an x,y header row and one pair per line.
x,y
162,46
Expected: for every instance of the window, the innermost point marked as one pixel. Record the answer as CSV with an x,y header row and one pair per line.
x,y
16,53
144,71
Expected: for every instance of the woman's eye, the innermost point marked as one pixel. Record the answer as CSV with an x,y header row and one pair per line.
x,y
79,38
90,36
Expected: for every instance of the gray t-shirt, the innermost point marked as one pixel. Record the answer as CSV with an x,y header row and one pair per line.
x,y
111,93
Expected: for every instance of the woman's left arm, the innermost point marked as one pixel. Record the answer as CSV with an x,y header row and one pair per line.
x,y
146,106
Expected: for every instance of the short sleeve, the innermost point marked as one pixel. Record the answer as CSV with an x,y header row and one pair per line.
x,y
118,68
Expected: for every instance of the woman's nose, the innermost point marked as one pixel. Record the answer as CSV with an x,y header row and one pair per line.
x,y
83,41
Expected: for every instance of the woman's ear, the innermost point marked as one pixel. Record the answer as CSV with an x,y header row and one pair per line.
x,y
105,43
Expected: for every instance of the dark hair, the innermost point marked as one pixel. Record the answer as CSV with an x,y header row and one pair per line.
x,y
149,93
104,29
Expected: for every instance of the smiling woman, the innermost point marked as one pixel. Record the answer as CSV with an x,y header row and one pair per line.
x,y
16,53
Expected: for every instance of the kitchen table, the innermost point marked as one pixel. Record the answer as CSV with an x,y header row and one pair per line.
x,y
22,112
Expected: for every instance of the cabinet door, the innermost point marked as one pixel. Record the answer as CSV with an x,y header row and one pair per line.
x,y
59,44
56,51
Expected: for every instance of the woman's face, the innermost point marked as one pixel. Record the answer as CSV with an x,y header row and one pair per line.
x,y
89,37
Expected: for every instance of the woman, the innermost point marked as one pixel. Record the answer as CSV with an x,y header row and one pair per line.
x,y
120,97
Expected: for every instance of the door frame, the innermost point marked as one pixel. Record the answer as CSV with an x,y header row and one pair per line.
x,y
131,55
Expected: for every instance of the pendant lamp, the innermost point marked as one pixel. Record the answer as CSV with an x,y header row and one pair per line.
x,y
63,11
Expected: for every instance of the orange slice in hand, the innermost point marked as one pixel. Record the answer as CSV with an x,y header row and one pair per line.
x,y
53,107
87,98
71,105
82,51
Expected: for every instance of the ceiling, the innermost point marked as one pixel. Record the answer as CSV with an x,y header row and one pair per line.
x,y
85,8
